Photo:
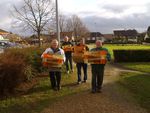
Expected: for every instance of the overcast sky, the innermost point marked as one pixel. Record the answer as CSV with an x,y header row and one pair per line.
x,y
98,15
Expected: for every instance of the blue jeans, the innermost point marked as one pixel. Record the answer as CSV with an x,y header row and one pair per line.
x,y
68,61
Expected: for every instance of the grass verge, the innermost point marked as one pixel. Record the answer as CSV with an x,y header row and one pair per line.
x,y
139,86
139,66
41,96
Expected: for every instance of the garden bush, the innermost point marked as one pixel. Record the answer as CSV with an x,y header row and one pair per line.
x,y
11,72
131,55
17,66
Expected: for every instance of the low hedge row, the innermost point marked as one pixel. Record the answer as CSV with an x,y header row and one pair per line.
x,y
18,65
131,55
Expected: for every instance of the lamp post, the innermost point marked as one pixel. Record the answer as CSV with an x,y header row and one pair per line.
x,y
57,23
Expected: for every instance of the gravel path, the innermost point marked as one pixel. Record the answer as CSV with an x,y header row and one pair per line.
x,y
111,100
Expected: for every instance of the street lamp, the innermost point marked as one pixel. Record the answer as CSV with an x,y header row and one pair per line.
x,y
57,23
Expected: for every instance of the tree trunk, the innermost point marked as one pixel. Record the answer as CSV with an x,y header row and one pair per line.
x,y
39,38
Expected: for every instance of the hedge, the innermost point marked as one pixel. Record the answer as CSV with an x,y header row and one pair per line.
x,y
17,66
131,55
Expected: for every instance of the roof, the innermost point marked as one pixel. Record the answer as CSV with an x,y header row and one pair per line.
x,y
148,29
3,32
125,32
95,34
13,37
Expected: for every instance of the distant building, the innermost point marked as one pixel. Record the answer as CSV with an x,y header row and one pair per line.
x,y
147,35
33,40
93,36
108,37
14,38
2,39
3,32
11,37
126,35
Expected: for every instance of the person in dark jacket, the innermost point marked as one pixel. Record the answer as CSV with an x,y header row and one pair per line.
x,y
68,54
98,69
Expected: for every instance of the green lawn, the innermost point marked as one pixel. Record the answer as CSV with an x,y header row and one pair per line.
x,y
139,66
112,47
41,96
139,86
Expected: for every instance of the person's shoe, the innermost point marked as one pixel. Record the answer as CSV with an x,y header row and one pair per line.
x,y
67,72
93,91
54,88
84,81
59,88
99,91
79,82
72,71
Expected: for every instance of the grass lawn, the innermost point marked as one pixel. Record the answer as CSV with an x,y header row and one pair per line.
x,y
41,96
112,47
139,86
139,66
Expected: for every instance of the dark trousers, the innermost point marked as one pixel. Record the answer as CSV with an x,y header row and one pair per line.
x,y
55,78
68,61
84,66
97,76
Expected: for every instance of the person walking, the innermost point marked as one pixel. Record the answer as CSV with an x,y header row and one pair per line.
x,y
98,69
67,47
55,72
81,65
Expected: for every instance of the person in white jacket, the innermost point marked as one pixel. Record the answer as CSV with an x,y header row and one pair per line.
x,y
55,73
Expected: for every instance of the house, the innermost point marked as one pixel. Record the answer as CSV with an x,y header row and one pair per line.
x,y
3,32
126,35
108,37
33,40
93,36
14,38
2,39
147,35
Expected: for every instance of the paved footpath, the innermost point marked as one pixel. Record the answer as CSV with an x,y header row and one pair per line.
x,y
111,100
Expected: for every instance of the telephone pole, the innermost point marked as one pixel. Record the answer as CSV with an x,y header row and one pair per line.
x,y
57,23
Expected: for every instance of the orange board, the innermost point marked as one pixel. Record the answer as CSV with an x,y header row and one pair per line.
x,y
79,49
52,60
67,48
95,57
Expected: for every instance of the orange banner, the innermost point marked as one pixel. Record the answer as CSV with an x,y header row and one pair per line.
x,y
95,57
67,48
78,57
52,60
79,49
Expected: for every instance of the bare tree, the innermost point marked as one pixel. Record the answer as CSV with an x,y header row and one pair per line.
x,y
77,26
35,15
62,22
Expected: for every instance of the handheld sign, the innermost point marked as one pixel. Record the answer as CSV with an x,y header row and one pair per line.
x,y
95,57
67,48
78,55
52,60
